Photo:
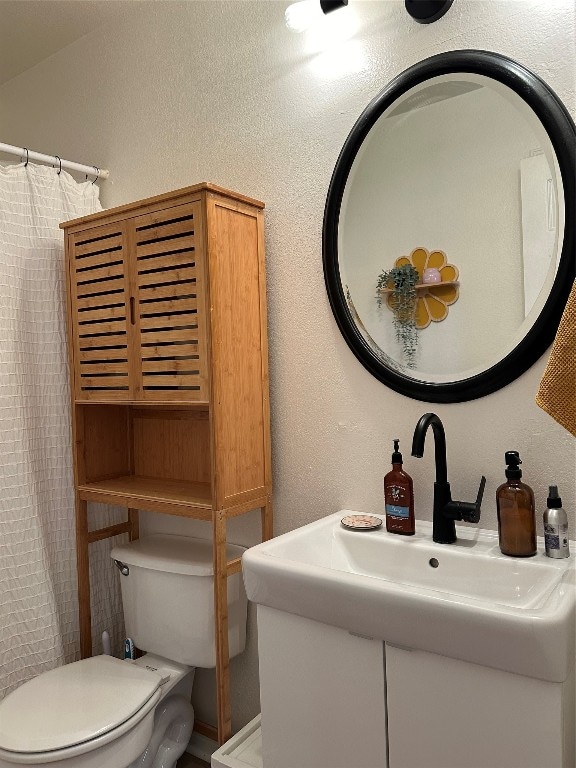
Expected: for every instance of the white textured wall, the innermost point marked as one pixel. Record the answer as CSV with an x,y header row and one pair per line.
x,y
223,92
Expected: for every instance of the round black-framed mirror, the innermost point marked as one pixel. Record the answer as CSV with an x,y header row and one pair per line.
x,y
373,222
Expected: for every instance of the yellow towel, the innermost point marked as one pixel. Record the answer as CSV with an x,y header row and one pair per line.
x,y
557,391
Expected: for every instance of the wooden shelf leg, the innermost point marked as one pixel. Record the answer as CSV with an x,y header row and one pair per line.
x,y
83,565
266,513
221,621
134,523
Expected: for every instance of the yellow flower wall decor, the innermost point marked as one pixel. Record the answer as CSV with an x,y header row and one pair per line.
x,y
433,298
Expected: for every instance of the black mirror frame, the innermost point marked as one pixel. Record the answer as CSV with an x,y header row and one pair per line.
x,y
562,133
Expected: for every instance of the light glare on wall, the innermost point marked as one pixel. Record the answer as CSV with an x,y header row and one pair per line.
x,y
308,13
302,15
327,35
336,62
335,30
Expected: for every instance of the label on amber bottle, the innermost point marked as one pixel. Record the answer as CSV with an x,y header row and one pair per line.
x,y
396,511
397,501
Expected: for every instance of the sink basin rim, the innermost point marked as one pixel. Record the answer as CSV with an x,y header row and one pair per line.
x,y
557,570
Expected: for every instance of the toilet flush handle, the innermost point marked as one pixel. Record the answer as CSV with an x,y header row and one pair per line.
x,y
124,570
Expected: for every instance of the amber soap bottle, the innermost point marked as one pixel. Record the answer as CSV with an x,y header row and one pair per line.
x,y
399,497
516,511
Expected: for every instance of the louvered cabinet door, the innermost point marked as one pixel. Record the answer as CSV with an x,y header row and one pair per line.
x,y
100,313
168,283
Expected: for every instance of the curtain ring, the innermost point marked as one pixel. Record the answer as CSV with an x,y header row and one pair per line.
x,y
60,163
27,156
97,174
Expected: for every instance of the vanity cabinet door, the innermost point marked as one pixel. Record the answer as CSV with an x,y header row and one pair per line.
x,y
444,713
322,695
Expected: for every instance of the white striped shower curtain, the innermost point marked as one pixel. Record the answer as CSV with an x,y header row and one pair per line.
x,y
38,604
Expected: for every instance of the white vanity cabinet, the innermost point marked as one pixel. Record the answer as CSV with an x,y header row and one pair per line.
x,y
383,651
332,699
322,695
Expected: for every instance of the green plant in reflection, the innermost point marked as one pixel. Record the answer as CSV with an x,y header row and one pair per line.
x,y
401,283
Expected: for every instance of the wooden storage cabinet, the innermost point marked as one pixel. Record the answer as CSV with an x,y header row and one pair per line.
x,y
168,360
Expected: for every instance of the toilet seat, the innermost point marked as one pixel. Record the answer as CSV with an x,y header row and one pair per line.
x,y
76,708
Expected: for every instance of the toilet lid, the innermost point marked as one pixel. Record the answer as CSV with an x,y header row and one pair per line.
x,y
74,704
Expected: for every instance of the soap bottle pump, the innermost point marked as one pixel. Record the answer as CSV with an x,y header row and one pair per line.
x,y
555,526
399,497
516,515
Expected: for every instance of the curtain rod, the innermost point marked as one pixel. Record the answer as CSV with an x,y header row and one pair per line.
x,y
89,170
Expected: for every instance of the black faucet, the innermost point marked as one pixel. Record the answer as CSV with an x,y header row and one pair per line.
x,y
446,511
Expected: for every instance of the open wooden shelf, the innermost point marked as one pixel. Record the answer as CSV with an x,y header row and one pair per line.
x,y
199,405
132,491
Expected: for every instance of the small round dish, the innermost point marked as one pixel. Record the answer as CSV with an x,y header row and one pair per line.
x,y
361,522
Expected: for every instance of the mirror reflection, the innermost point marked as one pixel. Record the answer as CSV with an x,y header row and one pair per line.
x,y
451,228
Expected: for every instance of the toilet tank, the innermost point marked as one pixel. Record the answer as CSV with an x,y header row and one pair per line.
x,y
168,598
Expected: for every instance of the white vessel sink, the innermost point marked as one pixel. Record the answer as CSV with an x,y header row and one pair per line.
x,y
465,600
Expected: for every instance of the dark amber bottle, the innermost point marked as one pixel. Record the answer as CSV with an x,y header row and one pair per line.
x,y
516,511
399,497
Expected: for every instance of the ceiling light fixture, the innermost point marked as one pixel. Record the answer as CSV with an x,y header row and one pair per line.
x,y
427,11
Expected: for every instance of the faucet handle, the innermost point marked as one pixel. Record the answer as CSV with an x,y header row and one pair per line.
x,y
475,514
466,510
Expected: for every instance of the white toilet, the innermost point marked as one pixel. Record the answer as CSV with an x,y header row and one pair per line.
x,y
106,713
